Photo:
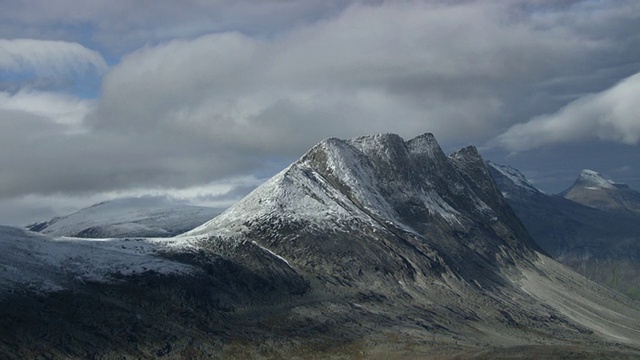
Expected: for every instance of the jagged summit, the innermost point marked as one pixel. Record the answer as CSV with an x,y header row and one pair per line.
x,y
360,174
380,193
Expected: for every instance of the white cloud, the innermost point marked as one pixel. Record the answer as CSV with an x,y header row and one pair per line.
x,y
49,58
58,108
611,115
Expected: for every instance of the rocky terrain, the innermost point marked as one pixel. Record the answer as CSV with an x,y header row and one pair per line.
x,y
128,217
597,238
373,247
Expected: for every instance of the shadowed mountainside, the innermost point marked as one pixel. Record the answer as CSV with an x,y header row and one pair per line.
x,y
601,243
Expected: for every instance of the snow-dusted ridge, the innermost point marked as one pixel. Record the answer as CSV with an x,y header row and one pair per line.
x,y
515,176
128,217
596,191
307,188
44,263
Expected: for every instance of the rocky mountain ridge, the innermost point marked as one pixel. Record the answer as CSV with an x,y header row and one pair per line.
x,y
368,247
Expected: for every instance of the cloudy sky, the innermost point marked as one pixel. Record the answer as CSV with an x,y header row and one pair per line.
x,y
204,99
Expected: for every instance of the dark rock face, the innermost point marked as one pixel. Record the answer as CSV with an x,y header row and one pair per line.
x,y
369,247
601,243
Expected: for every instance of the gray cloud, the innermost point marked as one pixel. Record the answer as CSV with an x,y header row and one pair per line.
x,y
402,67
228,88
122,25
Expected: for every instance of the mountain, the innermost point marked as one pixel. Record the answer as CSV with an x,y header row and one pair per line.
x,y
128,217
601,243
596,191
388,224
373,247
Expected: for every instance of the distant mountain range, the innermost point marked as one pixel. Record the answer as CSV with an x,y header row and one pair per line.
x,y
128,217
593,226
373,247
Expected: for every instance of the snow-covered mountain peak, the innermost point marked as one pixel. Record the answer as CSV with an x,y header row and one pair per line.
x,y
594,190
380,184
590,178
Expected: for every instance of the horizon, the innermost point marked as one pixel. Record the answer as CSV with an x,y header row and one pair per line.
x,y
211,202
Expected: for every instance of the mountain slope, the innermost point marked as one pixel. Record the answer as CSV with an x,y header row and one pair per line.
x,y
376,218
372,247
128,217
601,244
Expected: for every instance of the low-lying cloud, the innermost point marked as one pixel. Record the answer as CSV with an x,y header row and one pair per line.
x,y
611,115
